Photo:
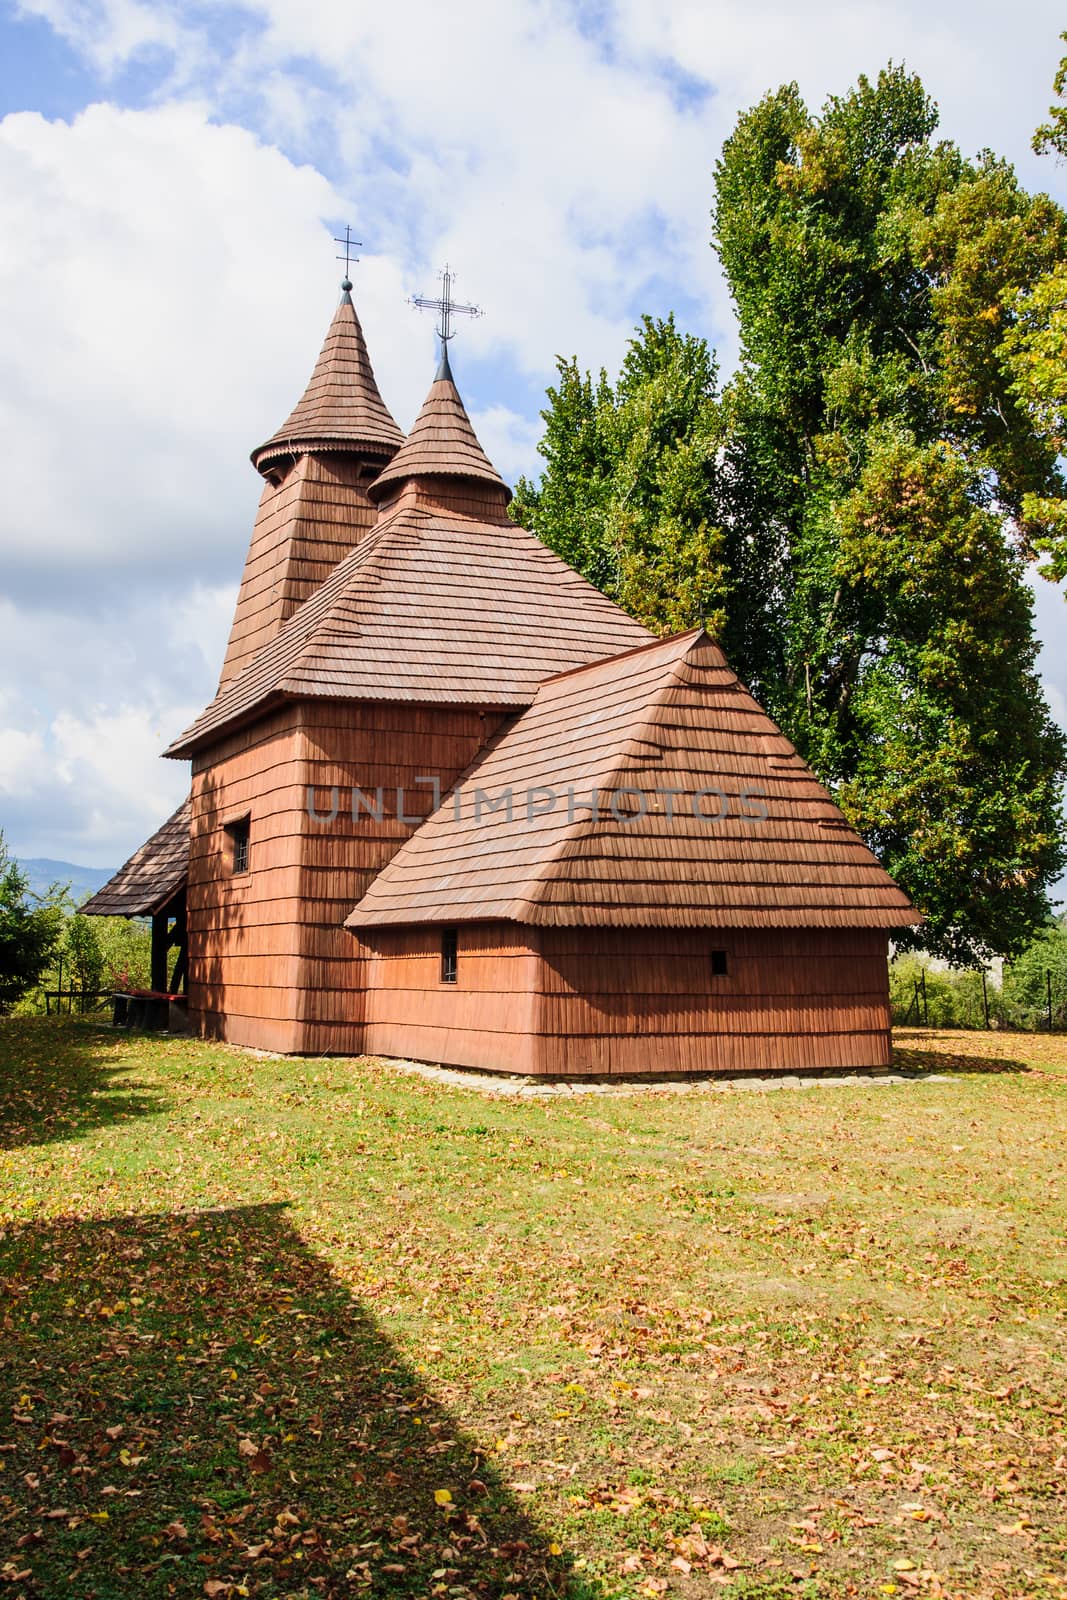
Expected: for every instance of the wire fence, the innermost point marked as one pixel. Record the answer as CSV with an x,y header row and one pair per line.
x,y
970,1000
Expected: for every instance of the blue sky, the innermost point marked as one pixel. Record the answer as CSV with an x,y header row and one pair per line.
x,y
170,178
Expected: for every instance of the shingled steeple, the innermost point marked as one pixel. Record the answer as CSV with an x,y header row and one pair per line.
x,y
442,445
341,409
446,601
314,509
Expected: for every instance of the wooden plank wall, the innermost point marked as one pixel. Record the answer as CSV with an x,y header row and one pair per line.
x,y
486,1019
632,1002
365,746
244,941
637,1001
271,964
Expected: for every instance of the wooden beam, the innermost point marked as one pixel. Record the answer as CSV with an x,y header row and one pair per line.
x,y
160,943
178,976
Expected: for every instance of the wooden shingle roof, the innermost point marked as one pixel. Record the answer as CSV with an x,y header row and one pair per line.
x,y
442,443
152,875
341,408
670,716
432,607
445,602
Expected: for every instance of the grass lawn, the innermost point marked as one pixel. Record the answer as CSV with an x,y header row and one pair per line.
x,y
320,1328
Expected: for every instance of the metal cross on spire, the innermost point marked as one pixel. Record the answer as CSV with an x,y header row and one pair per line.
x,y
448,307
348,258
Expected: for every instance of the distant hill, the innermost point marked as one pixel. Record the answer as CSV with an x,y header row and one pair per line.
x,y
43,872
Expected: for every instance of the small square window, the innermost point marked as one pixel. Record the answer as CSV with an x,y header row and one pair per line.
x,y
449,955
719,965
238,833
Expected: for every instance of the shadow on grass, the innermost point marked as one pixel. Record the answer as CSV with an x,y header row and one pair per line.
x,y
951,1055
198,1407
58,1078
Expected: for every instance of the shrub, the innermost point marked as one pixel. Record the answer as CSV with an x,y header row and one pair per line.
x,y
1027,980
31,927
953,998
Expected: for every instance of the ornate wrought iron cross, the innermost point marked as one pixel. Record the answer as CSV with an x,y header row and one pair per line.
x,y
348,258
445,304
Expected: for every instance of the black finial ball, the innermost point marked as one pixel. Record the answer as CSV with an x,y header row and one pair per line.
x,y
346,285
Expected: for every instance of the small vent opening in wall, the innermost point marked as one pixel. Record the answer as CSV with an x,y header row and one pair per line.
x,y
449,955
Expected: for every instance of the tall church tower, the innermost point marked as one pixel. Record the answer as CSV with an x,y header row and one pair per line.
x,y
314,509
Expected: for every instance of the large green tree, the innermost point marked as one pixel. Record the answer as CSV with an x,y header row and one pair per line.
x,y
876,275
631,492
876,481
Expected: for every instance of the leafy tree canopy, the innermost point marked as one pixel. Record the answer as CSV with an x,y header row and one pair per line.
x,y
1052,135
854,511
631,491
1035,346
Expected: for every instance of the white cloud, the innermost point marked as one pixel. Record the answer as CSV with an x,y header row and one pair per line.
x,y
563,153
98,789
509,440
21,760
155,336
200,619
89,708
114,753
89,788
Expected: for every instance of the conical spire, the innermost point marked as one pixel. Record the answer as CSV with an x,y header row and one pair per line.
x,y
314,508
341,408
441,444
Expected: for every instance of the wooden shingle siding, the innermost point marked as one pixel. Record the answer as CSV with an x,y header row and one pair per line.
x,y
486,1019
271,945
306,524
240,939
631,1002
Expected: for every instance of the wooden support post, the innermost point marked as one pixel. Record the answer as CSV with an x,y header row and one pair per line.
x,y
160,945
926,1008
179,940
178,976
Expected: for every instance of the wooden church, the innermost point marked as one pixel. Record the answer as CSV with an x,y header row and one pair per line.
x,y
450,803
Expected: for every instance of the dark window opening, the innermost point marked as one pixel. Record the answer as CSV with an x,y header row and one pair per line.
x,y
449,953
719,966
238,832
